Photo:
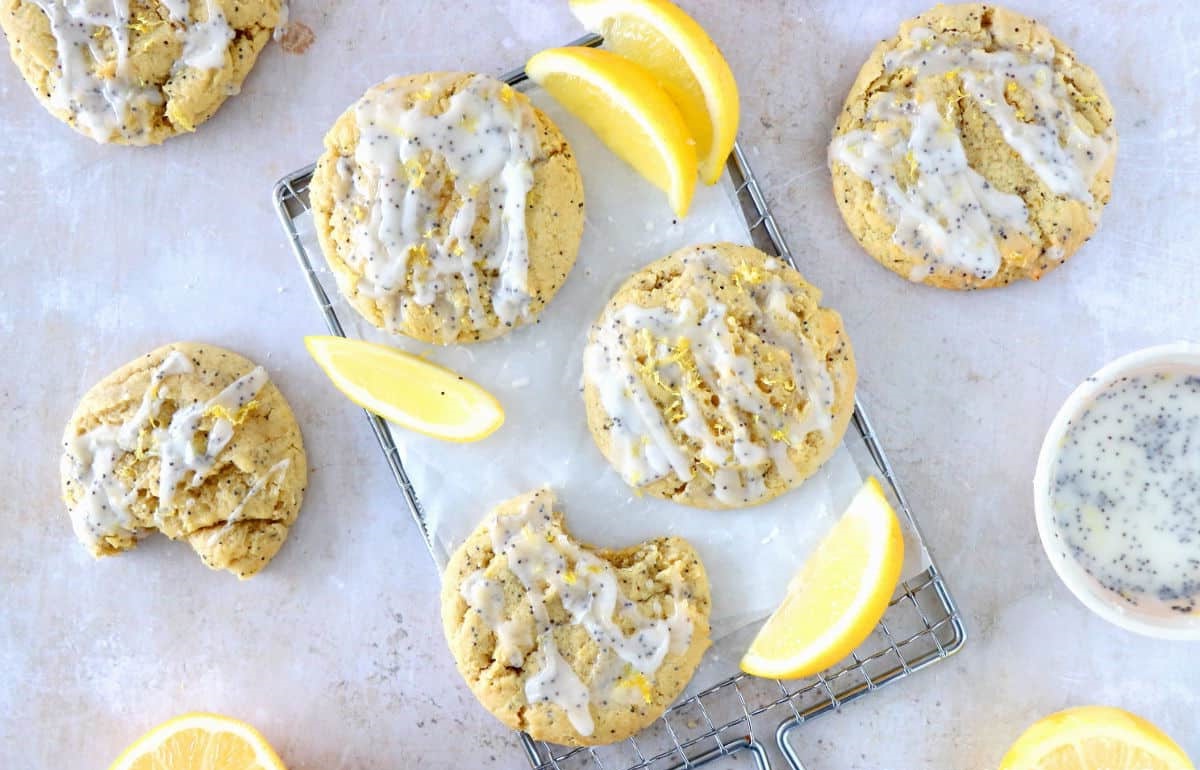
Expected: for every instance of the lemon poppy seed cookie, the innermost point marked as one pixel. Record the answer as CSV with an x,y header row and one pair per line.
x,y
448,207
714,378
974,149
191,441
572,644
136,72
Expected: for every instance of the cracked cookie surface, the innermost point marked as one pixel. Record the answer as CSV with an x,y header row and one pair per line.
x,y
572,644
137,72
715,378
449,208
974,149
192,441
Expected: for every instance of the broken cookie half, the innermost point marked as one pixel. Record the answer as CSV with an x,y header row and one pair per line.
x,y
192,441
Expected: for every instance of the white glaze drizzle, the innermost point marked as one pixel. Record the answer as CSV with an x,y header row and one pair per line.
x,y
514,639
103,508
176,444
205,43
950,213
259,484
107,107
285,14
644,448
548,564
102,107
555,682
487,139
1054,144
177,9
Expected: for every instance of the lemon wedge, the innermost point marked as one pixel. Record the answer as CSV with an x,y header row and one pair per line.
x,y
677,51
1094,738
627,109
837,597
407,389
200,742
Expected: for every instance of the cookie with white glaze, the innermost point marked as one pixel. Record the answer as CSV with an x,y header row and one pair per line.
x,y
974,149
137,72
192,441
574,645
715,378
449,208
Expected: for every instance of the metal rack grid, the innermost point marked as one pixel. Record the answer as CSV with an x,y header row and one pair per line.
x,y
922,624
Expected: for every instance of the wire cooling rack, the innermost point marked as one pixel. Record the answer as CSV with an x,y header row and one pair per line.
x,y
740,714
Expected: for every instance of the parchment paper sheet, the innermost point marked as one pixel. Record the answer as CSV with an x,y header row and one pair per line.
x,y
536,371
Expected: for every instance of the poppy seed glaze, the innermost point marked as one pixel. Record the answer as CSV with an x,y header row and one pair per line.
x,y
1125,489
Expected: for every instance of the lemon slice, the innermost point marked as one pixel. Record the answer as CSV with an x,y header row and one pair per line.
x,y
686,62
200,742
628,110
1094,738
837,597
407,389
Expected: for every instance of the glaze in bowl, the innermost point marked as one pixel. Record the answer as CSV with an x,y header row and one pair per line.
x,y
1152,618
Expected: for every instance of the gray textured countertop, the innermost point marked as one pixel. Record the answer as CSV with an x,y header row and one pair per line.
x,y
335,651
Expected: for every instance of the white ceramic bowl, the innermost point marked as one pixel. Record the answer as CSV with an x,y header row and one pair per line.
x,y
1150,620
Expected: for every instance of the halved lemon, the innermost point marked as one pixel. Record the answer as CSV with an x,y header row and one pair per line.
x,y
1094,738
407,389
837,597
628,110
200,741
686,62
